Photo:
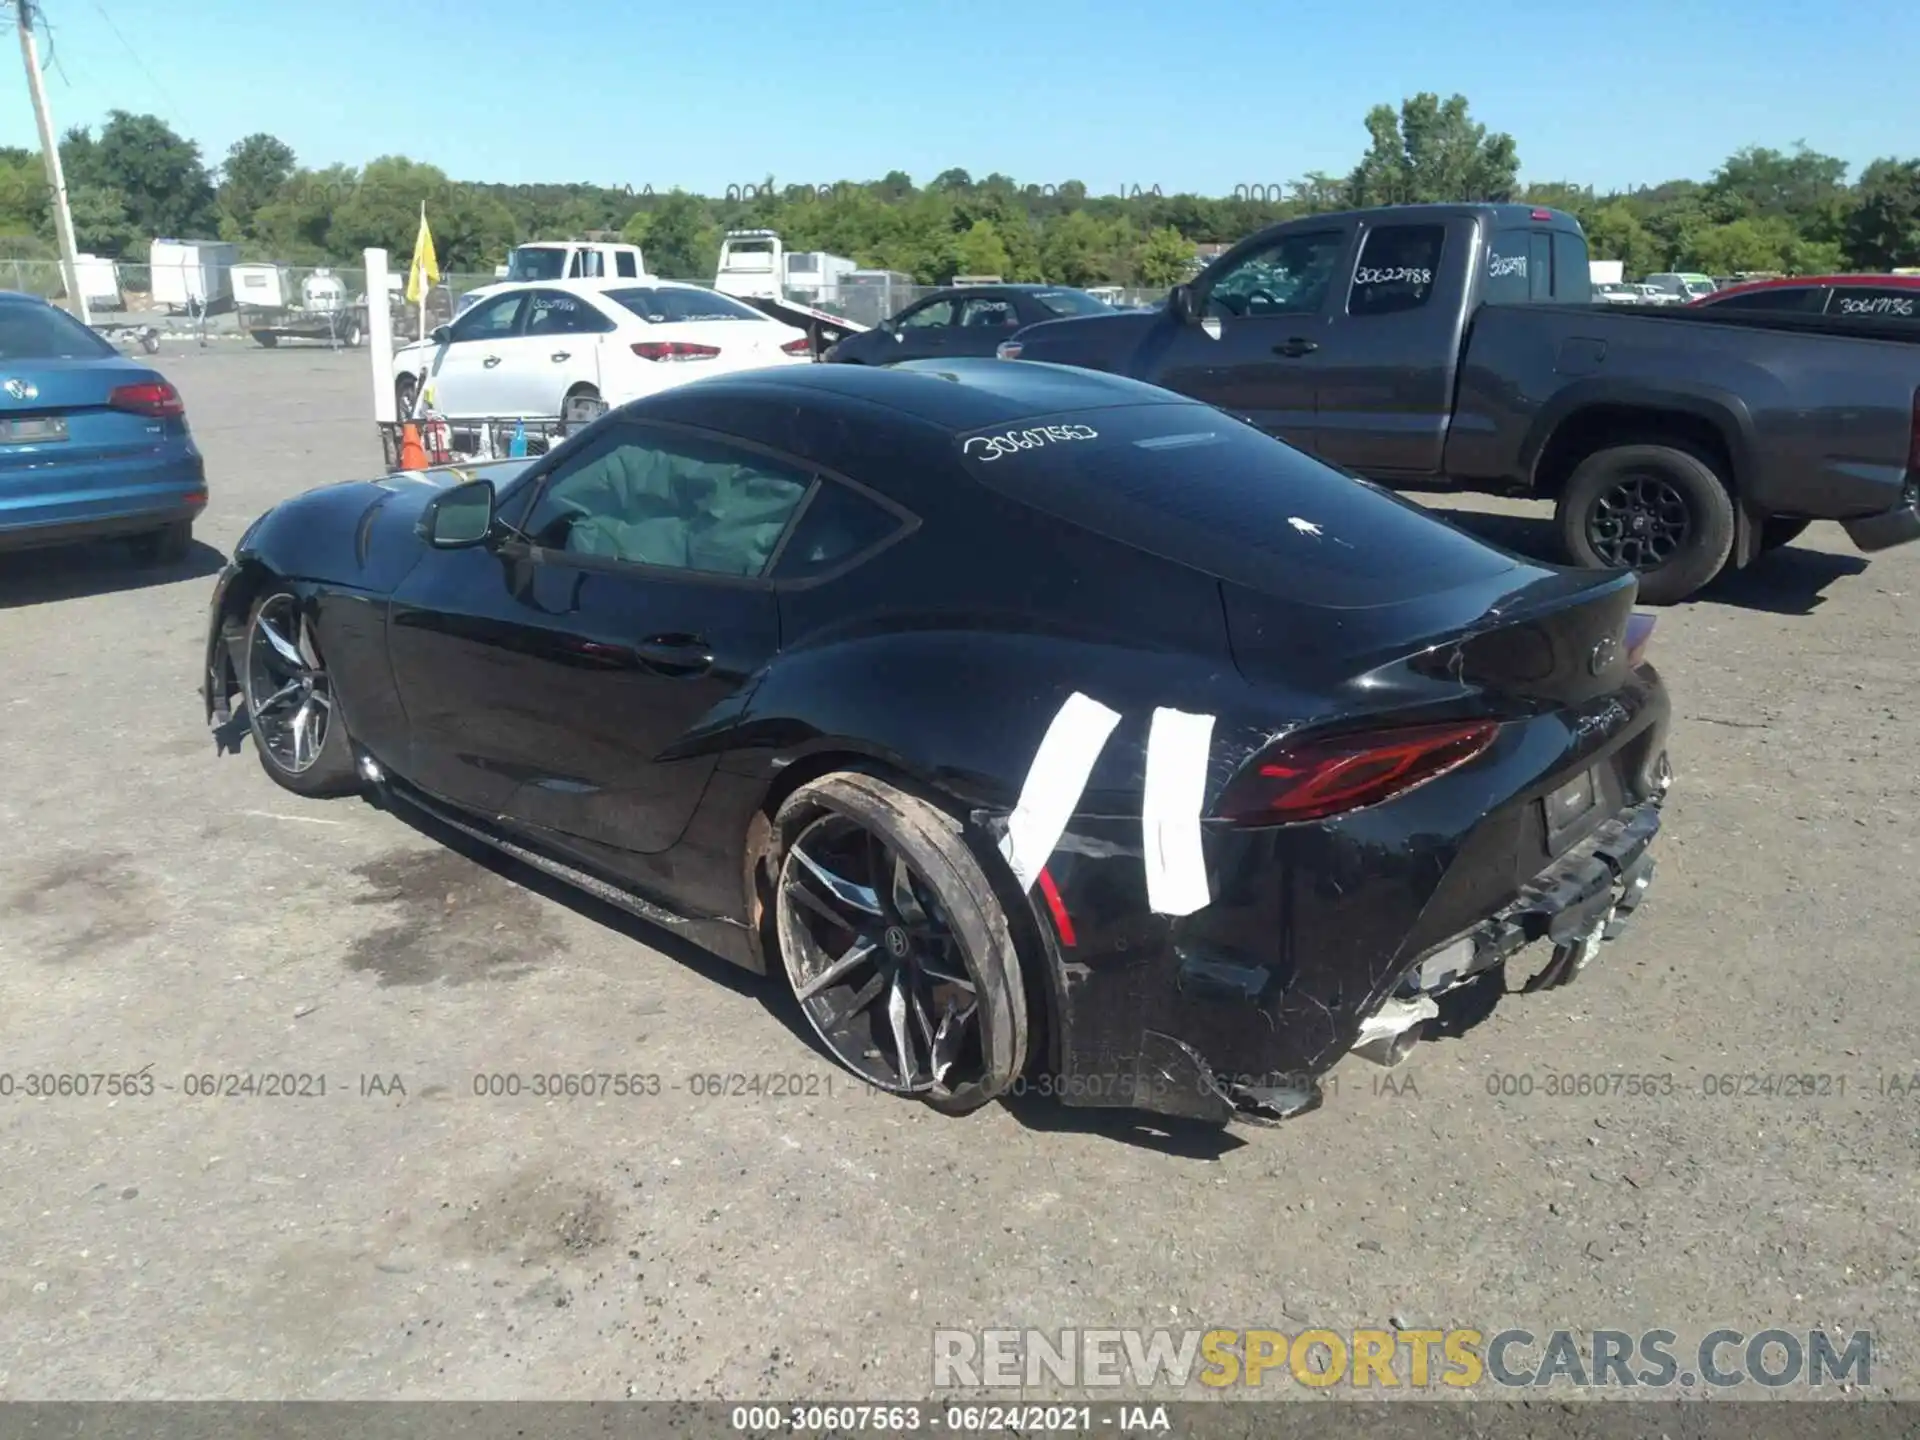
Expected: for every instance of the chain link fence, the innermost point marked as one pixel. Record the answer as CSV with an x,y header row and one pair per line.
x,y
269,302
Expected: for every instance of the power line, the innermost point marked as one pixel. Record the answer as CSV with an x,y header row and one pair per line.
x,y
134,55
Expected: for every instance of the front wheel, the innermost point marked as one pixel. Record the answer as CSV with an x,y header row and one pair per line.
x,y
1656,509
897,949
291,709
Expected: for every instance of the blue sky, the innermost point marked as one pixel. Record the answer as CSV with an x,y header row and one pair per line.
x,y
1199,97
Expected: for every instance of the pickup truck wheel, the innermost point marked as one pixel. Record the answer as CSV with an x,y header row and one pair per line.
x,y
1778,532
1656,509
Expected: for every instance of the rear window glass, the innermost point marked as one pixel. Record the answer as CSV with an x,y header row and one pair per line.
x,y
1899,304
1192,485
663,306
1072,302
1798,299
41,332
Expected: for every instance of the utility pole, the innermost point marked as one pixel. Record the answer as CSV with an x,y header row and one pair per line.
x,y
56,177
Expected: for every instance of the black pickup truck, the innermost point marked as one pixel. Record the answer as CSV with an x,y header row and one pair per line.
x,y
1460,343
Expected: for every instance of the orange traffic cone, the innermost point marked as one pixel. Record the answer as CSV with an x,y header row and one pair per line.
x,y
413,455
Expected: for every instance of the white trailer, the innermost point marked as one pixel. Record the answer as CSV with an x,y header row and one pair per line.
x,y
192,276
1607,272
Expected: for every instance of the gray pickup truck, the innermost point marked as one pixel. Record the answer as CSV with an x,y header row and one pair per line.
x,y
1460,343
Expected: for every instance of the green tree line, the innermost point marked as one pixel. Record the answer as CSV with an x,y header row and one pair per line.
x,y
1762,210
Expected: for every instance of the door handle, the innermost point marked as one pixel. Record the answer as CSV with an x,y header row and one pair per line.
x,y
677,656
491,361
1296,346
560,355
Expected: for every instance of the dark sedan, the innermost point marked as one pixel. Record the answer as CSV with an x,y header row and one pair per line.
x,y
965,321
1040,727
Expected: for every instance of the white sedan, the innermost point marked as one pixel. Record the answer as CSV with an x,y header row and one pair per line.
x,y
522,350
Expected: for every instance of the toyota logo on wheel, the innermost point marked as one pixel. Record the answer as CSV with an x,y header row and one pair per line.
x,y
1604,654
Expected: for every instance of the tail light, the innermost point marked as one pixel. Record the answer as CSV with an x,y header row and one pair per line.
x,y
1314,778
674,350
154,398
800,347
1639,635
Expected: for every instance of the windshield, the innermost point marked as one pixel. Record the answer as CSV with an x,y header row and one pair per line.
x,y
40,332
757,255
1699,287
1196,487
666,307
534,262
1072,302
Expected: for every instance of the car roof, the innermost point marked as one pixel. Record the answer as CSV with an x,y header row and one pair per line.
x,y
958,395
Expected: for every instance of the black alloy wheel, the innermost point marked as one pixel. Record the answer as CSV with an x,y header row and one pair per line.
x,y
896,948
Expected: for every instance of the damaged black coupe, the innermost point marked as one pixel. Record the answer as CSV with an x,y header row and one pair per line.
x,y
1033,723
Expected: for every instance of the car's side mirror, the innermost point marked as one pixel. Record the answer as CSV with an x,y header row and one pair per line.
x,y
1180,304
460,517
442,335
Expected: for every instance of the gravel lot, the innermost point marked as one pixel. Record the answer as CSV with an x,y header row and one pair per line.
x,y
165,910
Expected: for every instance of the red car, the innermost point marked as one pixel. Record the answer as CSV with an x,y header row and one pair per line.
x,y
1889,296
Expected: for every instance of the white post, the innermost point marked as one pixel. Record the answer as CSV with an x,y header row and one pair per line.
x,y
56,177
380,336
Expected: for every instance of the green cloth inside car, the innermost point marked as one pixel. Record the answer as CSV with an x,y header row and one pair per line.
x,y
653,507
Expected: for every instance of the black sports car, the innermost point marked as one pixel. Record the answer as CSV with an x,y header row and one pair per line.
x,y
1036,724
966,320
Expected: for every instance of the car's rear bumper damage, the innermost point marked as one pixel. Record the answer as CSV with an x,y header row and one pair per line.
x,y
1253,1041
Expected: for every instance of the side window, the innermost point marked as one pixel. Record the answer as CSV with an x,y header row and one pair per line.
x,y
990,312
490,319
1899,304
657,497
593,264
1540,266
1506,282
940,312
1396,269
624,266
1290,276
552,312
1572,274
836,525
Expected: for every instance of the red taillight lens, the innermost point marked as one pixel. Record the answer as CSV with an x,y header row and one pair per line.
x,y
674,350
1329,775
1639,635
151,397
802,346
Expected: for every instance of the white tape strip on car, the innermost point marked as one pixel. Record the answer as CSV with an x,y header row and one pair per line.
x,y
1178,746
1054,782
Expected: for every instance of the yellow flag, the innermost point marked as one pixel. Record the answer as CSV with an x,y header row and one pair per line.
x,y
425,270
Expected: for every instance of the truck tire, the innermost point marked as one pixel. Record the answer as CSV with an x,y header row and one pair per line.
x,y
1656,509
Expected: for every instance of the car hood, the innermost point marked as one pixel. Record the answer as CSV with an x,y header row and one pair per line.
x,y
1093,342
359,533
